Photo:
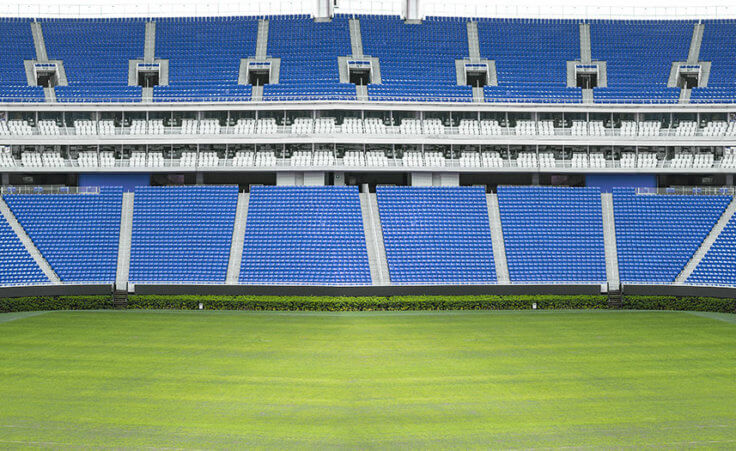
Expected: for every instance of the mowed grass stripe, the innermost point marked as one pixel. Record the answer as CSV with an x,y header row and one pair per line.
x,y
439,380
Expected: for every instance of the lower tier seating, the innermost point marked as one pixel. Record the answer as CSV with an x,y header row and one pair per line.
x,y
307,235
78,234
656,235
553,234
182,234
17,267
436,234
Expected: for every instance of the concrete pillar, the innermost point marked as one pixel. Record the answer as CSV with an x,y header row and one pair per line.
x,y
411,10
446,179
199,178
535,179
5,179
286,178
339,179
324,9
314,178
729,180
421,179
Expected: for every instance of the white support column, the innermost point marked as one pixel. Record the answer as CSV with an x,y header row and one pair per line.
x,y
324,9
411,10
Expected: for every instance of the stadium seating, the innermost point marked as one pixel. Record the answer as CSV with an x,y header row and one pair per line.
x,y
182,234
718,267
95,53
16,47
530,59
417,60
656,235
639,55
553,234
204,57
305,235
308,52
436,234
77,234
718,47
17,267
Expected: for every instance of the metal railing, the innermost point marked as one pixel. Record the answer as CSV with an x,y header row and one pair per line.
x,y
688,191
49,189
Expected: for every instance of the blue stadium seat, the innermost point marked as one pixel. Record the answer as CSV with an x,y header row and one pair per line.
x,y
718,267
656,235
553,234
304,235
78,234
17,267
436,234
182,233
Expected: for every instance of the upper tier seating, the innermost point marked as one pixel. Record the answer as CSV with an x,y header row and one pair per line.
x,y
531,59
95,53
306,235
639,55
16,46
553,234
718,47
182,234
78,234
308,52
17,267
436,234
718,267
656,235
204,57
417,60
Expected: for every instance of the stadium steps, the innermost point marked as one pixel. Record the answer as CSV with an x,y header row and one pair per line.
x,y
356,38
499,248
124,242
609,238
28,243
707,243
42,56
373,231
693,54
262,39
585,52
473,42
149,47
236,245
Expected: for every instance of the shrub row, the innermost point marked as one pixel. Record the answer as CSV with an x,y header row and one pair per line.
x,y
393,303
29,304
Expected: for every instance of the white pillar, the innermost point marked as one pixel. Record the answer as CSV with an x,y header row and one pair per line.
x,y
411,10
324,9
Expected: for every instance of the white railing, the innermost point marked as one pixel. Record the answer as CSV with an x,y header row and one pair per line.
x,y
689,191
49,189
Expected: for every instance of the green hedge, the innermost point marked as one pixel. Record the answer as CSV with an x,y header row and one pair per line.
x,y
392,303
697,304
337,304
29,304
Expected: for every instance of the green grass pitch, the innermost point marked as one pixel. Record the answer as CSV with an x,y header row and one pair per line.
x,y
412,380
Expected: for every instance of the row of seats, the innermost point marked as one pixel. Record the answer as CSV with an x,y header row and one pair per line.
x,y
316,235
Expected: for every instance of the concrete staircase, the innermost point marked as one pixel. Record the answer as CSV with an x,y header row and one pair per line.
x,y
473,42
149,45
693,54
262,40
238,240
356,38
499,248
585,52
609,239
28,243
374,239
41,56
126,233
707,243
